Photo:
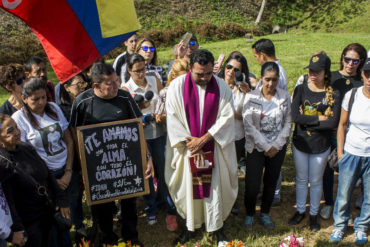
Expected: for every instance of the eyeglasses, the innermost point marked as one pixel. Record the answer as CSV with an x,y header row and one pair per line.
x,y
192,43
148,48
229,66
20,80
80,84
138,71
354,61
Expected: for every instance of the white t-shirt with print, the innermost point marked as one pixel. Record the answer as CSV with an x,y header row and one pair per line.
x,y
271,120
358,135
48,139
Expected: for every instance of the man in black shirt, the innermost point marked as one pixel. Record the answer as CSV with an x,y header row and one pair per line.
x,y
104,102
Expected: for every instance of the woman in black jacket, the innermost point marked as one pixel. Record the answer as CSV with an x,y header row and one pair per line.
x,y
29,209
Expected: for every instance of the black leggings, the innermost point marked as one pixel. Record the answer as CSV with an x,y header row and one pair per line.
x,y
38,233
256,161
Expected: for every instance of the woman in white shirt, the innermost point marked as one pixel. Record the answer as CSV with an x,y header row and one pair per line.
x,y
43,125
140,85
267,125
354,159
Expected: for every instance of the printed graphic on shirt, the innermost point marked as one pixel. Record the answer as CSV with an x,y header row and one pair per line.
x,y
314,109
51,137
3,204
271,126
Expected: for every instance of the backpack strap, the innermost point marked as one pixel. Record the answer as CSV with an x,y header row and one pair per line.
x,y
351,99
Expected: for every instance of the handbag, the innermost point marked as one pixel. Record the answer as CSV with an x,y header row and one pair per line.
x,y
63,224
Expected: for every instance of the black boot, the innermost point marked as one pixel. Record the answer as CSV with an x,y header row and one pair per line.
x,y
314,225
220,236
184,237
296,219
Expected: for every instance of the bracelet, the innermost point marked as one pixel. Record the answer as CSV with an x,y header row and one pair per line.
x,y
148,155
68,170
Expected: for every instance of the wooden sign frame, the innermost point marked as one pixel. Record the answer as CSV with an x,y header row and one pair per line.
x,y
81,147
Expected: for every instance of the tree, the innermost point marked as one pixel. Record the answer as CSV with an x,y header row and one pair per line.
x,y
263,4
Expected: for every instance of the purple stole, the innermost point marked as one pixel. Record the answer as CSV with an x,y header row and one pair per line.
x,y
201,180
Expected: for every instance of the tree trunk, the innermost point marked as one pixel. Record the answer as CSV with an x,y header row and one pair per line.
x,y
263,4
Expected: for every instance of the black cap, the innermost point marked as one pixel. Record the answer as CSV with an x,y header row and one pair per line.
x,y
366,66
319,62
193,37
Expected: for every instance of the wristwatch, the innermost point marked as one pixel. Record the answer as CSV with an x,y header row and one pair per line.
x,y
148,155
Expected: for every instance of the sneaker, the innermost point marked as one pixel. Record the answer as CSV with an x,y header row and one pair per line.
x,y
296,219
265,220
314,224
171,222
152,220
336,235
249,222
326,212
361,237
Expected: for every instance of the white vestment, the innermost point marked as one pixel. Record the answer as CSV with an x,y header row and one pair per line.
x,y
214,210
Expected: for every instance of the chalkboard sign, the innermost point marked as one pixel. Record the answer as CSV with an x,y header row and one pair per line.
x,y
113,160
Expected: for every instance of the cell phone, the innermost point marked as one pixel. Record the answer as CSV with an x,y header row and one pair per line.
x,y
187,38
239,78
219,62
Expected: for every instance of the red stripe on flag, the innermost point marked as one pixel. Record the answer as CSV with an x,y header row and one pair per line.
x,y
65,40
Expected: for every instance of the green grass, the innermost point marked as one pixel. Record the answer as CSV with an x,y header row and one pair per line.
x,y
293,49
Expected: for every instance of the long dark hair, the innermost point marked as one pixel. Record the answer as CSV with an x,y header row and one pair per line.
x,y
31,86
242,60
65,98
131,60
360,50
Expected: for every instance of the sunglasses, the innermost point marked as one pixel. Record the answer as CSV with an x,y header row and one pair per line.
x,y
20,80
80,84
229,66
148,48
192,43
354,61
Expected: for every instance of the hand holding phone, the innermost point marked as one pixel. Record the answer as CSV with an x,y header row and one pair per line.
x,y
218,64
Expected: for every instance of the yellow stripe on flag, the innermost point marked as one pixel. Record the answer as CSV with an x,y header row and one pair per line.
x,y
117,17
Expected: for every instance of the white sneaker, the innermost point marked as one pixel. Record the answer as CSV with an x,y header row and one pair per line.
x,y
325,212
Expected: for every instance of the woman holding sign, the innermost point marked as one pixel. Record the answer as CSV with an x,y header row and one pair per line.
x,y
142,86
43,125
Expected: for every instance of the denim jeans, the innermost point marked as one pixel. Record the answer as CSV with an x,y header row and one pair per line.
x,y
157,148
59,238
309,169
351,168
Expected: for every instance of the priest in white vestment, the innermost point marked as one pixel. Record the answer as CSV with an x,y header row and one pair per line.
x,y
200,119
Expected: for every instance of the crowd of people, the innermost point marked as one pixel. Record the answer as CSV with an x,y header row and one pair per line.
x,y
200,126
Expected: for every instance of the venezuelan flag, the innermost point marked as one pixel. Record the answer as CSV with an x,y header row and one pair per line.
x,y
75,33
